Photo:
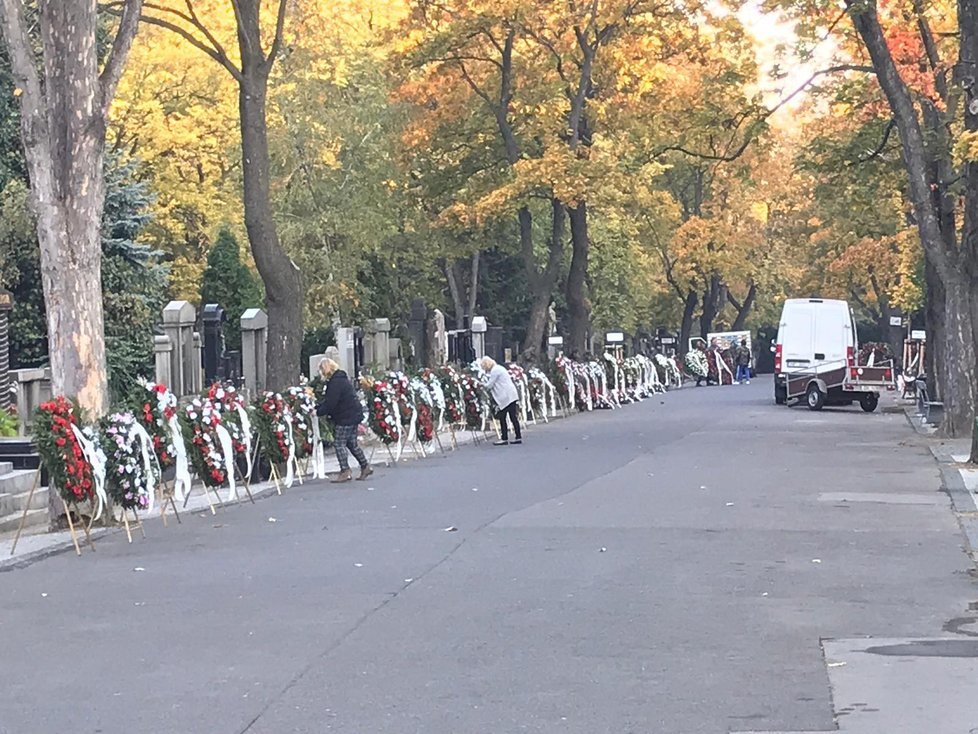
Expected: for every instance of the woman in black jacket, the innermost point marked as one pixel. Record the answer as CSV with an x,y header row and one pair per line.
x,y
341,405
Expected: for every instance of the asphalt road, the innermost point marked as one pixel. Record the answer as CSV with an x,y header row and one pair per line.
x,y
670,567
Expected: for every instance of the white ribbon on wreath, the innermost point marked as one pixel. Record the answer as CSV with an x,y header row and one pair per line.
x,y
291,463
138,433
571,383
318,454
182,480
227,448
721,367
618,392
246,430
398,426
588,399
96,458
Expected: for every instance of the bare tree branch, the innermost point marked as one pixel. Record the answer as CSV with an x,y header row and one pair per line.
x,y
279,32
878,150
761,119
109,78
21,56
216,51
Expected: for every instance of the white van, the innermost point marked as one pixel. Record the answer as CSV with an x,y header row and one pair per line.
x,y
815,357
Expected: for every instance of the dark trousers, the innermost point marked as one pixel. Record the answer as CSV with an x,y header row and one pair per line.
x,y
344,441
511,411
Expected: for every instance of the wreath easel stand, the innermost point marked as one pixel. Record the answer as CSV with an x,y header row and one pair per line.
x,y
166,498
27,508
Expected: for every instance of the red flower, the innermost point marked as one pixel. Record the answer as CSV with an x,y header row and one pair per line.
x,y
59,442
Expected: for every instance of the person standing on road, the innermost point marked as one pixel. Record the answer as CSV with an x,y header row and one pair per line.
x,y
341,405
503,391
742,359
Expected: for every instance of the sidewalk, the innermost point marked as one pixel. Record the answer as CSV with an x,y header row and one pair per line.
x,y
958,478
35,545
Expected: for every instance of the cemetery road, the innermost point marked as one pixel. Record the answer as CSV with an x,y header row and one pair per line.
x,y
701,562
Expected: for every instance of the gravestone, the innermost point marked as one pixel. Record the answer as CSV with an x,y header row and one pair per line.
x,y
254,341
395,359
346,346
6,305
179,318
494,343
314,360
377,352
214,319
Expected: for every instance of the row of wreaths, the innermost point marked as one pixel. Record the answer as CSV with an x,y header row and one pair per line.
x,y
222,438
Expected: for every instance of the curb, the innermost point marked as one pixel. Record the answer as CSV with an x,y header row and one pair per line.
x,y
26,559
963,502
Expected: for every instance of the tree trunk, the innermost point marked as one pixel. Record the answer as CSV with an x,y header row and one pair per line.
x,y
711,299
956,268
63,121
283,284
959,358
743,310
934,323
541,282
458,305
686,329
577,302
474,283
968,79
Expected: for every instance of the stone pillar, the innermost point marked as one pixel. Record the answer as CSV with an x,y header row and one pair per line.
x,y
179,318
379,331
163,351
197,372
6,305
254,341
479,328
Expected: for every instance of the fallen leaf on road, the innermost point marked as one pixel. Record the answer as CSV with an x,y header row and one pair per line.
x,y
272,519
358,565
764,594
219,525
730,504
603,550
408,581
139,568
816,560
451,529
43,595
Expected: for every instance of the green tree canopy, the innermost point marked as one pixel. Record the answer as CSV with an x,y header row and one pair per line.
x,y
229,283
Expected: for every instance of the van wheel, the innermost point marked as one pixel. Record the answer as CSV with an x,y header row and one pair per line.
x,y
815,397
780,395
869,401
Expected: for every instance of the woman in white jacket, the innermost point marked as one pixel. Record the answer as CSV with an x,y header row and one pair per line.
x,y
503,391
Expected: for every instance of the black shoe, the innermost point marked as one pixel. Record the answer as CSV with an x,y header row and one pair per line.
x,y
518,441
501,443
